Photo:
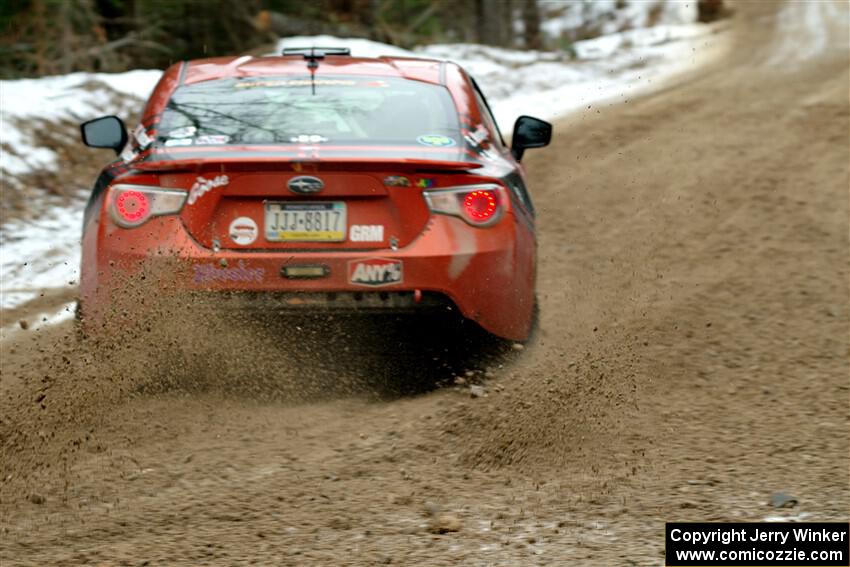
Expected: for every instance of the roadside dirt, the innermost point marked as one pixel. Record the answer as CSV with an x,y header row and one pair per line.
x,y
692,360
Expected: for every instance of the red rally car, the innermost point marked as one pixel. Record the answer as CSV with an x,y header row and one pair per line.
x,y
319,180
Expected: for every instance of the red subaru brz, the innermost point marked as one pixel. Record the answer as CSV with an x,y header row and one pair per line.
x,y
316,180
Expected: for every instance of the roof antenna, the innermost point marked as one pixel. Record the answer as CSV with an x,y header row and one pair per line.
x,y
313,55
312,65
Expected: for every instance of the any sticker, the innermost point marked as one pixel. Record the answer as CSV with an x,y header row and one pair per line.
x,y
375,272
366,233
142,137
212,140
295,83
243,231
178,142
127,154
184,132
396,181
436,141
203,186
479,135
308,139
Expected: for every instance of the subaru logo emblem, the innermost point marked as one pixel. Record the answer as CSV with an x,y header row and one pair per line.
x,y
305,184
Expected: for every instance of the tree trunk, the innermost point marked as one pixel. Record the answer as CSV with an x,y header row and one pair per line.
x,y
67,33
531,24
506,23
483,27
495,22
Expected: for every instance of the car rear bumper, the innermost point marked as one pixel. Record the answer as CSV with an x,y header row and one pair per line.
x,y
487,273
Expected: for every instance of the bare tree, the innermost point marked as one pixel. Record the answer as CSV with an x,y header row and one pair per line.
x,y
531,24
494,22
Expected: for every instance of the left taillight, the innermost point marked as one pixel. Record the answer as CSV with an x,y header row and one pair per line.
x,y
132,205
478,205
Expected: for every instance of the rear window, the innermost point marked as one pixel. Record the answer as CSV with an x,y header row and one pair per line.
x,y
293,109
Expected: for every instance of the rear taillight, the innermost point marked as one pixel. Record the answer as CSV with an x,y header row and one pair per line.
x,y
132,205
478,205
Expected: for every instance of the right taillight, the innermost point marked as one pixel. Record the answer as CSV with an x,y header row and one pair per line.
x,y
478,205
132,205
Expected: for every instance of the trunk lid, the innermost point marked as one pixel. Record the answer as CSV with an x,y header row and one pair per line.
x,y
329,205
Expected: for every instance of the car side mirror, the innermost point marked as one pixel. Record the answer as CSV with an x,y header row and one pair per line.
x,y
104,132
529,132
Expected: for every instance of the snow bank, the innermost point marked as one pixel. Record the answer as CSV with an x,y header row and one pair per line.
x,y
45,253
39,255
567,20
78,95
551,84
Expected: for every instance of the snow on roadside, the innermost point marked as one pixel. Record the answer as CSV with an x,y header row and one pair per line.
x,y
74,95
40,254
549,85
45,253
566,20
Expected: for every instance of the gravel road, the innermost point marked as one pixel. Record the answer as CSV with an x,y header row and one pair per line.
x,y
692,360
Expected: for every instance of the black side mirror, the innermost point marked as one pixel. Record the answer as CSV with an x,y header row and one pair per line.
x,y
104,132
529,132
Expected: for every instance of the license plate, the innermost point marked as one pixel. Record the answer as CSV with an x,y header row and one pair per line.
x,y
305,222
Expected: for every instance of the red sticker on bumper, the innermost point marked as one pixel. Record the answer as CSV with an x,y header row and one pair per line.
x,y
375,272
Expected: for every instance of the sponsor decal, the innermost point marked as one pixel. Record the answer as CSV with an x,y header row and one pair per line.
x,y
142,137
211,273
127,154
366,233
184,132
243,231
212,140
178,142
436,141
203,186
396,181
305,184
294,83
308,139
375,272
425,182
479,135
